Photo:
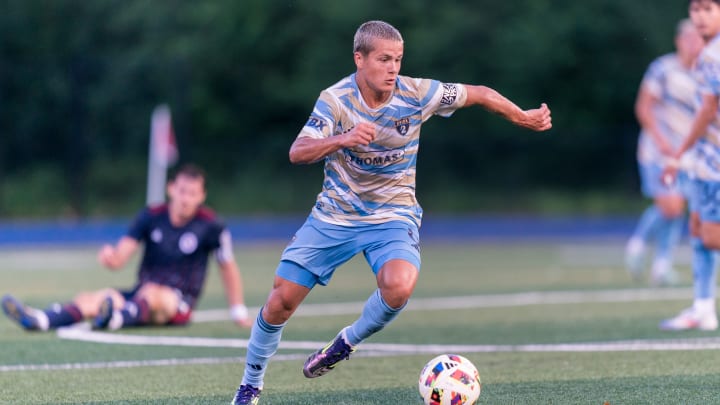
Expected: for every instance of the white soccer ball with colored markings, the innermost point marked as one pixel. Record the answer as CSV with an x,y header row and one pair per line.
x,y
449,379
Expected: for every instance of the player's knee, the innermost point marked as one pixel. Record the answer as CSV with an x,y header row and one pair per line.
x,y
671,207
710,235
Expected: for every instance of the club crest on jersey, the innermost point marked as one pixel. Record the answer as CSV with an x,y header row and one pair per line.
x,y
317,123
188,243
402,125
449,94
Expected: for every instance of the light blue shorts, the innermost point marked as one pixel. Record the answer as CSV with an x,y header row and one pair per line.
x,y
708,200
318,248
652,185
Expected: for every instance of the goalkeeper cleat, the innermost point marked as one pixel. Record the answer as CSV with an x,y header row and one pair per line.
x,y
635,258
23,315
105,312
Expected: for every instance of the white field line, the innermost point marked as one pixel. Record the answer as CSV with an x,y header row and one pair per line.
x,y
81,332
480,301
368,350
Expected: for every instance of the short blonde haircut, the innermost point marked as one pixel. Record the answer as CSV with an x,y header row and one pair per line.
x,y
370,30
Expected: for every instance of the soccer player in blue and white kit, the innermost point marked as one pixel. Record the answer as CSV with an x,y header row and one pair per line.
x,y
665,110
179,237
704,137
366,129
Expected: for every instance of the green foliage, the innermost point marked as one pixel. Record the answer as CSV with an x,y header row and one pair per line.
x,y
78,81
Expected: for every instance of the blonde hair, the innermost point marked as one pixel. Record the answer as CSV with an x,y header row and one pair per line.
x,y
370,30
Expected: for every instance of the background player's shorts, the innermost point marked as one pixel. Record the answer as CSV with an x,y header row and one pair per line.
x,y
184,310
708,200
652,185
318,248
695,195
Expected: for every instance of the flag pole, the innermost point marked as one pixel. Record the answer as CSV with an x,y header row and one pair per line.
x,y
161,155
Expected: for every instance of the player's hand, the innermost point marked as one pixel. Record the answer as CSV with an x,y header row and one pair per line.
x,y
107,257
239,314
538,119
361,134
669,175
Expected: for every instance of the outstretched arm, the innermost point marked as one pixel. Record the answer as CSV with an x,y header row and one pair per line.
x,y
115,257
538,119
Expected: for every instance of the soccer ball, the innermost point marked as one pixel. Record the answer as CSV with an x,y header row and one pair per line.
x,y
449,379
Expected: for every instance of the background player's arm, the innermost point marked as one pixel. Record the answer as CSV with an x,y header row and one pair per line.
x,y
704,116
536,119
232,282
115,257
310,150
644,112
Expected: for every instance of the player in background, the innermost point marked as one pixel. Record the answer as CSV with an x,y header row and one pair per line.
x,y
704,137
366,129
179,237
664,109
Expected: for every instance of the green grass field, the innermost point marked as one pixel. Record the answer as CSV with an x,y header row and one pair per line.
x,y
545,323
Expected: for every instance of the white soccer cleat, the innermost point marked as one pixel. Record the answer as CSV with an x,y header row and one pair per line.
x,y
691,319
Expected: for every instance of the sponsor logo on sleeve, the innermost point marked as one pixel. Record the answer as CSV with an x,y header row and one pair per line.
x,y
317,123
449,94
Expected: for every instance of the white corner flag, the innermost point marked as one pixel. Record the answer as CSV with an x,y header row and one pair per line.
x,y
163,153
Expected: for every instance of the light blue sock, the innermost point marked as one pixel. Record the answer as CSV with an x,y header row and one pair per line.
x,y
669,232
375,315
648,223
703,270
264,341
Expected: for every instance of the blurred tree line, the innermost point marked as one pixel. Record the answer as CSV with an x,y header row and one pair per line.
x,y
79,80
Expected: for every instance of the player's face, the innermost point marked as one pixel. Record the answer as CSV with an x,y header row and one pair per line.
x,y
186,194
689,42
379,68
705,15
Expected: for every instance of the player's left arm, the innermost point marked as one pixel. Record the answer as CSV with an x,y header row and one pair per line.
x,y
538,119
232,281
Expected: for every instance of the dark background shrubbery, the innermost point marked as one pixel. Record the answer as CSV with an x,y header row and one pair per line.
x,y
79,79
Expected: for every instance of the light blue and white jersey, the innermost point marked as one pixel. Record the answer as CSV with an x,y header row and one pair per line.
x,y
376,183
675,88
708,146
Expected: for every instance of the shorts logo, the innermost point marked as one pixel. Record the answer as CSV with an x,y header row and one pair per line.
x,y
317,123
449,94
402,126
188,243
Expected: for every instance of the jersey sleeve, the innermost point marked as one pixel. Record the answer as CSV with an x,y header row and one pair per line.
x,y
652,80
321,123
139,228
224,251
710,73
439,98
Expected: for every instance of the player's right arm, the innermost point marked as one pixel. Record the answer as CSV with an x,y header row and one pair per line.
x,y
644,106
116,257
308,149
